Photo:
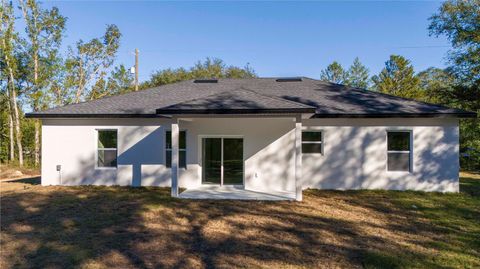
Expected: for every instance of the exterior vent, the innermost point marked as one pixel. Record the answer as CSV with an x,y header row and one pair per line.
x,y
205,81
288,79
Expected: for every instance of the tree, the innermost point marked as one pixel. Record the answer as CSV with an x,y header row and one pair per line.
x,y
44,31
210,68
436,85
357,75
398,78
120,81
333,73
88,63
459,20
9,40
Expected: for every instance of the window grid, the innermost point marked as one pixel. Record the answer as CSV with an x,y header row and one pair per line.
x,y
391,152
307,143
168,150
101,149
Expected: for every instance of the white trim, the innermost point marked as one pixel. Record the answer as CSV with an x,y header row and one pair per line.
x,y
410,155
96,167
321,131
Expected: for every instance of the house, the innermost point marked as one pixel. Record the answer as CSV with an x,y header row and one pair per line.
x,y
266,135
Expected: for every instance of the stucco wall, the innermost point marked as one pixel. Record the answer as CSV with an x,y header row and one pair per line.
x,y
268,151
71,143
354,153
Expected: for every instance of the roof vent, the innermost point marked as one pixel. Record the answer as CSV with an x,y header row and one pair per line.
x,y
288,79
205,81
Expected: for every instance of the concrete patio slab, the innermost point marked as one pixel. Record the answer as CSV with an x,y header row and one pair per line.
x,y
234,193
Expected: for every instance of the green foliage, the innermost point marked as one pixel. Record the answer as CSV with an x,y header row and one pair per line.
x,y
357,75
334,73
44,29
436,83
4,128
398,78
87,63
459,21
120,81
210,68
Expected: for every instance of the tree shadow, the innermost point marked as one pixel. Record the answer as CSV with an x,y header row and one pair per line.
x,y
145,228
28,180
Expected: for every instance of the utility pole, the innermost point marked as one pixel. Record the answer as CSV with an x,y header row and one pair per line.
x,y
136,69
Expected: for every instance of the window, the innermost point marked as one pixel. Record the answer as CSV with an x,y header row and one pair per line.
x,y
107,148
312,142
398,152
182,149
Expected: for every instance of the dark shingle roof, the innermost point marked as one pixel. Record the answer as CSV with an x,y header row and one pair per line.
x,y
238,101
250,96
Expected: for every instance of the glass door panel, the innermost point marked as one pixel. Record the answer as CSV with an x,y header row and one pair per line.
x,y
233,161
212,160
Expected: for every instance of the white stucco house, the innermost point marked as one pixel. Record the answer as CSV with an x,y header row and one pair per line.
x,y
267,135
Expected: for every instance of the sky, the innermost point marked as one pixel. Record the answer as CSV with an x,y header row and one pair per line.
x,y
274,38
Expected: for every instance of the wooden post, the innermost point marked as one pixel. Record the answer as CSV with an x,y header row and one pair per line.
x,y
298,159
175,157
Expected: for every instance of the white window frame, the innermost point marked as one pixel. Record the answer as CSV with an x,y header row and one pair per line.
x,y
97,149
179,149
410,152
322,143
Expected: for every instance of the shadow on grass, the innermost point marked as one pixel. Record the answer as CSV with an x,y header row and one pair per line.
x,y
145,228
29,180
470,186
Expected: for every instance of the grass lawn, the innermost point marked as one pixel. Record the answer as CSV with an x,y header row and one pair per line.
x,y
115,227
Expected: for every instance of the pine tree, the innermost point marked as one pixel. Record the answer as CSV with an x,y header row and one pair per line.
x,y
333,73
398,78
357,75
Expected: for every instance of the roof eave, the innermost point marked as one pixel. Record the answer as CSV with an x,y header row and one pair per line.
x,y
82,115
398,115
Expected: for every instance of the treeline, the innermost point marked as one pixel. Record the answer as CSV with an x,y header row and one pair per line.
x,y
36,75
457,86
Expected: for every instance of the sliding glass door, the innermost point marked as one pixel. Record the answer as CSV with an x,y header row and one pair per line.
x,y
222,161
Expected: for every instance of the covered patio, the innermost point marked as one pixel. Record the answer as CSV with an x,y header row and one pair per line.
x,y
228,192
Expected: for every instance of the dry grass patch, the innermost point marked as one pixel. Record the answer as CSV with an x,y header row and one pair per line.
x,y
106,227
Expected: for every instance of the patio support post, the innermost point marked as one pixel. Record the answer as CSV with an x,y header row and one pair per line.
x,y
175,157
298,158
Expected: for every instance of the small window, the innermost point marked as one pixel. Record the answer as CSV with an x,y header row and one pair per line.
x,y
182,149
107,148
312,142
399,157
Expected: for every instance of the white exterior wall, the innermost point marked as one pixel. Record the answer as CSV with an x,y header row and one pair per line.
x,y
354,153
72,144
268,151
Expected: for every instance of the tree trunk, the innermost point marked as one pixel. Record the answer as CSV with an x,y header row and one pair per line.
x,y
16,119
35,108
10,135
79,93
14,115
37,142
